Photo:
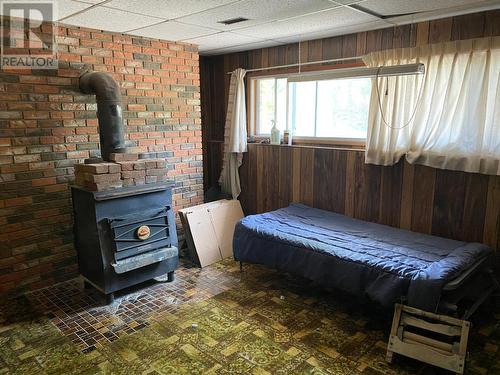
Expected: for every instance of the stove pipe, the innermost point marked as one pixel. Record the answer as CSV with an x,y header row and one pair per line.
x,y
109,111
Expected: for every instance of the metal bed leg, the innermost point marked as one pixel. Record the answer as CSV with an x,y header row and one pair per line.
x,y
483,296
471,310
494,279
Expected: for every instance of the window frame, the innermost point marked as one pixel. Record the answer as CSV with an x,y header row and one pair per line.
x,y
300,140
254,114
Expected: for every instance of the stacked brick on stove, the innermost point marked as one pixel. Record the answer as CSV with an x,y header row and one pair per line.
x,y
124,170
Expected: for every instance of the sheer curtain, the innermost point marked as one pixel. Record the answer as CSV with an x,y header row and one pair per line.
x,y
448,118
235,135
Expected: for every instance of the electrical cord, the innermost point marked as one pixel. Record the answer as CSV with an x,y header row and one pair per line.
x,y
377,76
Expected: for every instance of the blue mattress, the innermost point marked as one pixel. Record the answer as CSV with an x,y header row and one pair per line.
x,y
362,258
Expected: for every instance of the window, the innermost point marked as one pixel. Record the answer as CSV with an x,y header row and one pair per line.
x,y
271,104
329,109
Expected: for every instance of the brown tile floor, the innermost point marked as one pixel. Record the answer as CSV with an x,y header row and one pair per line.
x,y
259,321
82,315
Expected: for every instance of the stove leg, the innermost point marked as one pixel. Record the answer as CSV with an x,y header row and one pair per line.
x,y
170,276
110,298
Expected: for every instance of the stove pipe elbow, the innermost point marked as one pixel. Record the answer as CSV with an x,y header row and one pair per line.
x,y
109,111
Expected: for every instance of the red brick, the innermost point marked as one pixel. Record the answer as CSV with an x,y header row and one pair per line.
x,y
123,157
53,120
103,186
126,165
114,167
133,174
21,201
139,165
43,181
97,168
102,178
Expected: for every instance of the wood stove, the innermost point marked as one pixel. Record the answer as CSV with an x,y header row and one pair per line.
x,y
124,236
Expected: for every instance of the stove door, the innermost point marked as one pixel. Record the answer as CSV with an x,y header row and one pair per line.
x,y
140,232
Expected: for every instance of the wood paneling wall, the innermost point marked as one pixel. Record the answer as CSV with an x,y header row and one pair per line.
x,y
451,204
215,81
459,205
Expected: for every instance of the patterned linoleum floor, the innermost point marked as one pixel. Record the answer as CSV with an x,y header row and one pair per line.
x,y
212,321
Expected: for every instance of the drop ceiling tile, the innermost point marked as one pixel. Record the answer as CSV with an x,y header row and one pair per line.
x,y
347,2
90,1
222,40
257,12
372,25
110,19
242,47
168,9
64,8
174,31
397,7
327,20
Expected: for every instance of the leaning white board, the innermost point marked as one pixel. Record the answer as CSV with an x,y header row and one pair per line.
x,y
204,238
209,229
224,219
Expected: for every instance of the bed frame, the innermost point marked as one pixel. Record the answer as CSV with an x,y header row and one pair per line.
x,y
474,286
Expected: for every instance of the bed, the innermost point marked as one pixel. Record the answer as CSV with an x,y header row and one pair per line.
x,y
365,259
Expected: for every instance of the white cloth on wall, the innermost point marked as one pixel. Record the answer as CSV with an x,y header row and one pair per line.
x,y
456,124
235,135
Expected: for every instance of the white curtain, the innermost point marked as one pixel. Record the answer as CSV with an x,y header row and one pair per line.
x,y
456,124
235,135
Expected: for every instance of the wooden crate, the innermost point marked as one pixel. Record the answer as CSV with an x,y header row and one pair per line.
x,y
414,332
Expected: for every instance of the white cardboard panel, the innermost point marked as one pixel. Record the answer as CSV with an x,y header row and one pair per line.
x,y
209,229
224,219
204,237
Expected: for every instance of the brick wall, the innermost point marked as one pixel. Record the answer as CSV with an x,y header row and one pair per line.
x,y
47,126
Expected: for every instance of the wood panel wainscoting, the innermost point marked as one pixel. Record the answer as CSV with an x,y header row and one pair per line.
x,y
458,205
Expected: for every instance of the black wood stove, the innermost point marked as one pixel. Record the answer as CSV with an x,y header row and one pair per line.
x,y
124,236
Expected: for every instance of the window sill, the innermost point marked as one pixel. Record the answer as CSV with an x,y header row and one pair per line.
x,y
317,143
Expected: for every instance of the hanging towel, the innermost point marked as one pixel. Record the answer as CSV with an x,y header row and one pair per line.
x,y
235,135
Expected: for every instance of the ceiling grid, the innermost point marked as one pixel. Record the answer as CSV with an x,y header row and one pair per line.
x,y
268,22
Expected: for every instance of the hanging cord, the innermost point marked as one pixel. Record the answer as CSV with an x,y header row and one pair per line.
x,y
417,104
299,56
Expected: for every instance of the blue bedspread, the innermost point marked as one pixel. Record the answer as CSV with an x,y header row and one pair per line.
x,y
359,257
